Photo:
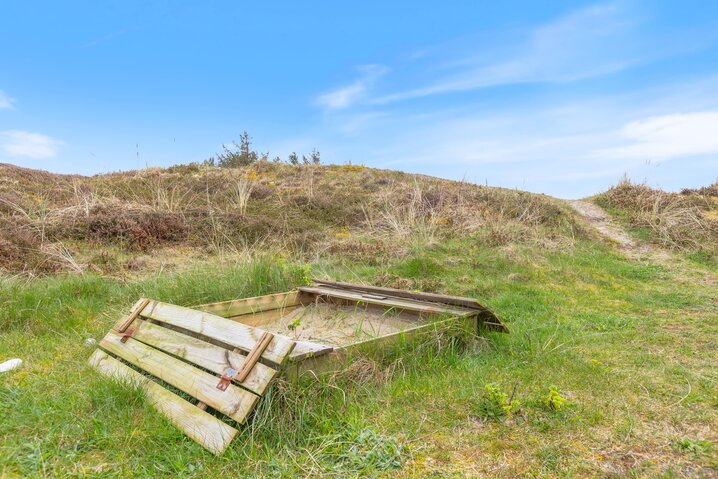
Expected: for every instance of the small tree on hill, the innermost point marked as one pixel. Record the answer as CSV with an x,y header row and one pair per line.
x,y
293,159
246,155
315,157
240,154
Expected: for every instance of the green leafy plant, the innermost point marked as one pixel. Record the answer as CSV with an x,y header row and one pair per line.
x,y
304,275
554,401
495,404
293,326
695,446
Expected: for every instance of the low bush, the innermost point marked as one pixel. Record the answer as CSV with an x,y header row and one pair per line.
x,y
21,249
142,230
711,191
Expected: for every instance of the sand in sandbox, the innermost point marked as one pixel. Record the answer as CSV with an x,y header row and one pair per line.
x,y
340,325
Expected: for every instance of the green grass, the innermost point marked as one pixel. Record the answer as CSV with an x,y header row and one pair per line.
x,y
630,346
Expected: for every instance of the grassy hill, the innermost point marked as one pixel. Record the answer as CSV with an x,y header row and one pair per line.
x,y
117,222
628,343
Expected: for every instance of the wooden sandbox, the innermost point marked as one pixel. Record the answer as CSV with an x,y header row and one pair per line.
x,y
222,356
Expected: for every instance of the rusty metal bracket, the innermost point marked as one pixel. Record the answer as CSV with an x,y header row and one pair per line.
x,y
125,335
247,365
226,379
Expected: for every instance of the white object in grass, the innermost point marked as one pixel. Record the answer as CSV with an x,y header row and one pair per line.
x,y
10,364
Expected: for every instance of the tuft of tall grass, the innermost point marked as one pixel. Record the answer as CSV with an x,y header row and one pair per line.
x,y
240,193
676,221
405,216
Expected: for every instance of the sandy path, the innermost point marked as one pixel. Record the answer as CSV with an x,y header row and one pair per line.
x,y
638,250
599,219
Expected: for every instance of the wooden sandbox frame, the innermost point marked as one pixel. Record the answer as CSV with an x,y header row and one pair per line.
x,y
205,368
429,311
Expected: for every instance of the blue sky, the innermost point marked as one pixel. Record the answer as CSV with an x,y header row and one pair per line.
x,y
555,97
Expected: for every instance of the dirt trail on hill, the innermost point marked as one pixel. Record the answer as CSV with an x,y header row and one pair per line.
x,y
638,250
599,219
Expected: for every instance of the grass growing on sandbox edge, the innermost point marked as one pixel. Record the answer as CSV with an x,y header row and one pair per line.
x,y
628,346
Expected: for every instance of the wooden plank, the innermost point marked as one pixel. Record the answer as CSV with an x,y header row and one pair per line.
x,y
486,315
263,317
334,361
253,357
308,349
238,307
400,293
209,431
408,334
225,330
209,356
235,402
398,303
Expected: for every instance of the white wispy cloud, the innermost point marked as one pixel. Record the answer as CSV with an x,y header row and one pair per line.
x,y
667,136
5,100
583,44
348,95
571,149
18,143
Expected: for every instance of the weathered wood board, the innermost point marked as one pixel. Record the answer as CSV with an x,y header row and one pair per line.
x,y
199,425
236,402
386,301
486,317
216,327
238,307
160,344
208,356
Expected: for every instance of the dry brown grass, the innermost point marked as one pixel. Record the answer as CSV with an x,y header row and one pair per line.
x,y
677,221
431,209
240,193
402,214
360,213
710,191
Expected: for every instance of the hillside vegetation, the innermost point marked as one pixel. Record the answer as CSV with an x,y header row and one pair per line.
x,y
609,368
118,222
686,221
